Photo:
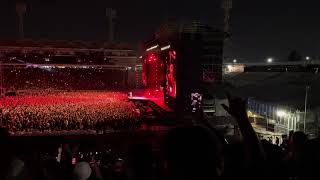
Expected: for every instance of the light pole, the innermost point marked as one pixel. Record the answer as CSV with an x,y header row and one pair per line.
x,y
111,14
305,109
21,9
267,122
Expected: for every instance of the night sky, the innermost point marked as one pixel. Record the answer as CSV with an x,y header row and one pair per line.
x,y
260,28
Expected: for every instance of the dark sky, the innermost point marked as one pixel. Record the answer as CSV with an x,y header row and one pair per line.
x,y
260,28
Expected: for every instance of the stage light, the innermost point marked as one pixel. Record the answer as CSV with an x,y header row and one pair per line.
x,y
165,47
153,47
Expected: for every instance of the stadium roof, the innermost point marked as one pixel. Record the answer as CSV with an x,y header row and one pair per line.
x,y
287,89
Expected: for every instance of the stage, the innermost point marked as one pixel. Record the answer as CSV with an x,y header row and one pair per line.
x,y
155,98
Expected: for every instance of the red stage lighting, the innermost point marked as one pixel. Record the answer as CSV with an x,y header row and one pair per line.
x,y
152,58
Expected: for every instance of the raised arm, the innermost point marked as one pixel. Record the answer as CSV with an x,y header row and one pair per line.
x,y
238,109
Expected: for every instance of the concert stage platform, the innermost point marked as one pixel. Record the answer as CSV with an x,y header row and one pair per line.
x,y
155,101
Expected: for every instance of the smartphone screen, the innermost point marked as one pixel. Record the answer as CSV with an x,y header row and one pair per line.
x,y
196,99
74,161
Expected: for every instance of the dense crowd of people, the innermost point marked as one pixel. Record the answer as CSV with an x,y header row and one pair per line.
x,y
188,152
68,111
62,78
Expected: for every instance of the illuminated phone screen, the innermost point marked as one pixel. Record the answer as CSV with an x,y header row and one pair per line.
x,y
196,99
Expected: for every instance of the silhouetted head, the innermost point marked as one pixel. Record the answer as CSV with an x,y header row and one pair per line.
x,y
4,136
5,143
82,171
234,159
52,170
140,161
311,159
193,153
5,151
297,141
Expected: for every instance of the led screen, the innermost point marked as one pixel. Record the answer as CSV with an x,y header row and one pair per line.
x,y
171,82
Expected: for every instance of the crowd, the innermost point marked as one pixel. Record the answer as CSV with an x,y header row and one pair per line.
x,y
67,111
62,78
188,152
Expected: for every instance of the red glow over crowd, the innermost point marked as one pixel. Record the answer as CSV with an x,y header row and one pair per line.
x,y
67,111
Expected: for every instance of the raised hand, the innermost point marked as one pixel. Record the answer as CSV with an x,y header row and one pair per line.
x,y
237,107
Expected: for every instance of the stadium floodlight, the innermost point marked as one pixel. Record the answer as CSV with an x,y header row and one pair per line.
x,y
270,60
234,61
281,113
307,58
